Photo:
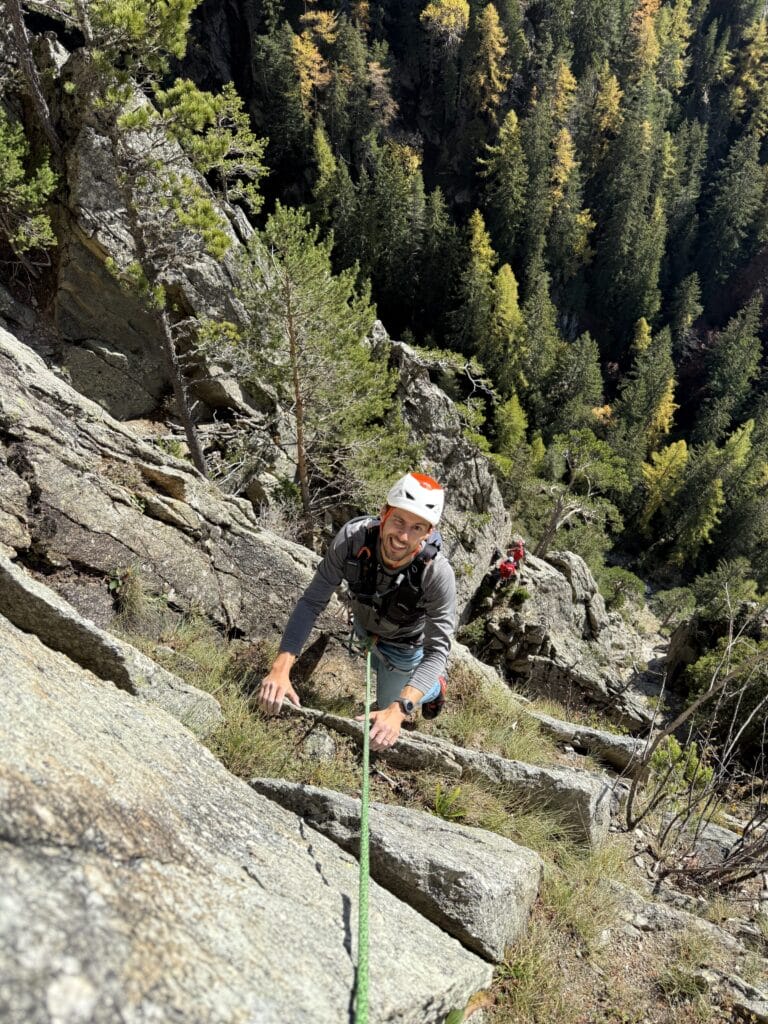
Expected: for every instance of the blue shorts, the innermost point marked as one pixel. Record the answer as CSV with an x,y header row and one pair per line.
x,y
394,666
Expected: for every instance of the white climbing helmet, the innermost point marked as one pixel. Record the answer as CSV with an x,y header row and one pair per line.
x,y
420,494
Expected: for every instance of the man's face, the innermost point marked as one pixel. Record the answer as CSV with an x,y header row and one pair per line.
x,y
401,535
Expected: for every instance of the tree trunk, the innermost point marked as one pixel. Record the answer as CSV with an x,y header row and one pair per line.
x,y
552,527
84,21
301,452
180,394
31,76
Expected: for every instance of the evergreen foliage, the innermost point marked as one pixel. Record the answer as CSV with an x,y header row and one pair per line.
x,y
308,338
24,222
526,183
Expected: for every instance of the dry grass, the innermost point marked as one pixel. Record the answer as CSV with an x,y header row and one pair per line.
x,y
577,964
490,719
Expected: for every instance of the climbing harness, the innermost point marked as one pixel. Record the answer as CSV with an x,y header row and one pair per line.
x,y
361,984
401,603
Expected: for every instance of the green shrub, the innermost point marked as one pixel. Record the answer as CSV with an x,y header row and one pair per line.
x,y
619,587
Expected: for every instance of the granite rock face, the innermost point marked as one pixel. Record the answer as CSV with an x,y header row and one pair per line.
x,y
475,885
35,608
561,642
140,881
113,350
83,495
582,801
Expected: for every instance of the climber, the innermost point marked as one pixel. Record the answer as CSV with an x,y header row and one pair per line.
x,y
507,567
403,599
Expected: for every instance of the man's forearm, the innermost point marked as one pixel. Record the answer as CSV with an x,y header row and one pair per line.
x,y
283,663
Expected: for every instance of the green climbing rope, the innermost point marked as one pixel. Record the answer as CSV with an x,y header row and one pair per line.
x,y
361,988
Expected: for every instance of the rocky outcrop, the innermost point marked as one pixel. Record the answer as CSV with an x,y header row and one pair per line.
x,y
557,639
475,885
621,752
582,801
35,608
83,496
475,520
140,881
639,915
112,348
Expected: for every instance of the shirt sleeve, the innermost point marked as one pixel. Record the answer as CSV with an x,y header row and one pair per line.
x,y
439,585
328,576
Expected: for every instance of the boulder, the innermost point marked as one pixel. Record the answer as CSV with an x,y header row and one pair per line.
x,y
475,885
140,881
35,608
582,800
621,752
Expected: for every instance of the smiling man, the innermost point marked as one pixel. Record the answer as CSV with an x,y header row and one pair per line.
x,y
403,596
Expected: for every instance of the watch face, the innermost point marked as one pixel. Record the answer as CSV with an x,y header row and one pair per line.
x,y
407,705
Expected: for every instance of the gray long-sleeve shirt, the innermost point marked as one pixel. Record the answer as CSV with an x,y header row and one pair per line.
x,y
438,600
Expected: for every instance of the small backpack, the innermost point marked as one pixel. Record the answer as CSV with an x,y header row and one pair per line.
x,y
401,602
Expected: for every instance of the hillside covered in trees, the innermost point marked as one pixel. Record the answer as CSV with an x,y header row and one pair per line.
x,y
571,197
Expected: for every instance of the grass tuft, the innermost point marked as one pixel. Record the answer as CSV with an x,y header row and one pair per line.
x,y
489,718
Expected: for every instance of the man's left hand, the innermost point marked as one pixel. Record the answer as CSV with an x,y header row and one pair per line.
x,y
385,726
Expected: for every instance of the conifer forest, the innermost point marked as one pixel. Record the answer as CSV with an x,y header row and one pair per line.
x,y
568,200
572,196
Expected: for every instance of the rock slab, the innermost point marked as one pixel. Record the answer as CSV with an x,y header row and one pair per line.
x,y
35,608
583,801
140,881
477,886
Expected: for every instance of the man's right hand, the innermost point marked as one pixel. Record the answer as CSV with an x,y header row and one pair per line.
x,y
276,686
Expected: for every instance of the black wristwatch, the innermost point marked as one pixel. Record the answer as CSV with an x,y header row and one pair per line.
x,y
406,706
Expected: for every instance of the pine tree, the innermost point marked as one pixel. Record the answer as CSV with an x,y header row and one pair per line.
x,y
439,270
392,205
686,308
738,192
543,345
505,172
694,516
596,30
510,423
472,320
347,105
486,75
683,197
630,246
500,349
674,30
287,122
576,386
695,510
307,337
663,477
324,189
744,522
598,116
24,224
746,72
732,365
583,470
645,408
446,21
